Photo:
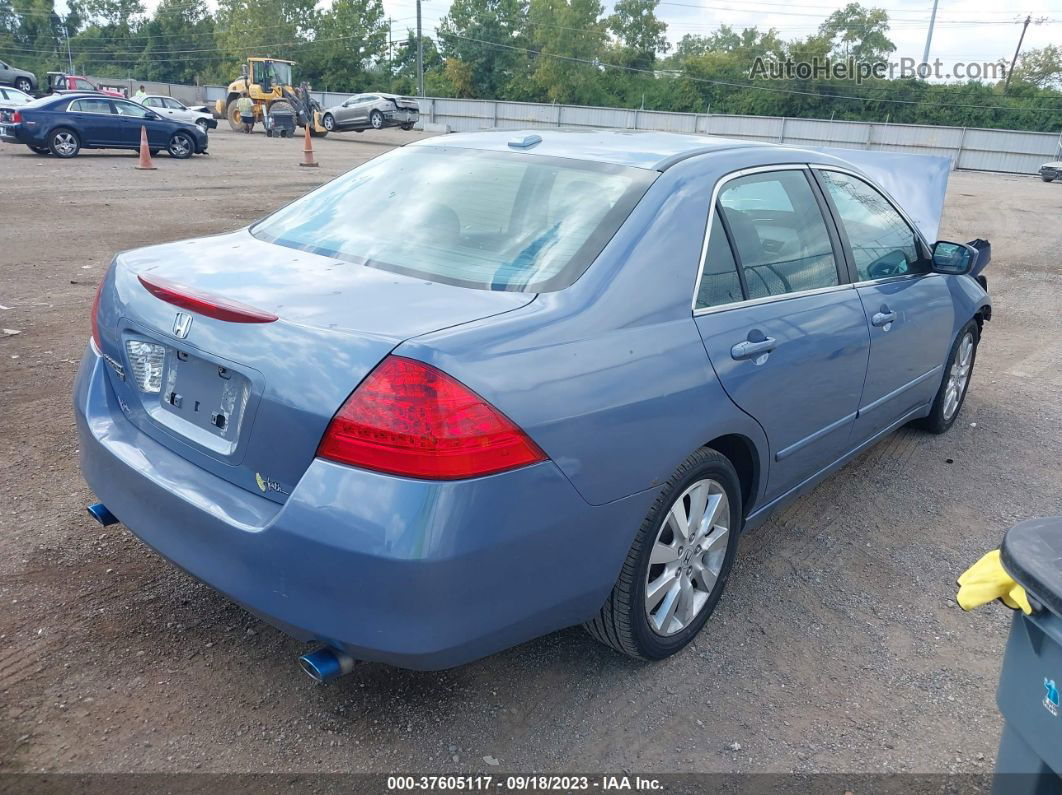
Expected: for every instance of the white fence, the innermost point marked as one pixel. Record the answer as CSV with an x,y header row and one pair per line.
x,y
968,148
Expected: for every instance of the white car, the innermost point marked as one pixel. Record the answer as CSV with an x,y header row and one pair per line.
x,y
178,111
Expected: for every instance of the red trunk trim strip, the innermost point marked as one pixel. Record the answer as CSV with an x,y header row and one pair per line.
x,y
203,303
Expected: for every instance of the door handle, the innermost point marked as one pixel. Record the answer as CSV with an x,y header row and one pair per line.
x,y
883,318
749,349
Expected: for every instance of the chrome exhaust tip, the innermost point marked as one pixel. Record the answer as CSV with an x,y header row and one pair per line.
x,y
326,664
99,512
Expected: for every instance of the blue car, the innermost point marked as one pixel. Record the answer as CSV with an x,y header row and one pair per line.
x,y
64,124
487,386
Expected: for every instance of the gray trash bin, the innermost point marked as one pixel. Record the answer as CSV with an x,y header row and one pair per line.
x,y
1030,751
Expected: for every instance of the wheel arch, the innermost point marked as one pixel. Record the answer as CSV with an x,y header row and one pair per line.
x,y
740,450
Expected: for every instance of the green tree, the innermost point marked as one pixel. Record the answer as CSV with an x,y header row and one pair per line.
x,y
348,38
178,42
1041,67
489,38
640,33
277,28
570,36
858,32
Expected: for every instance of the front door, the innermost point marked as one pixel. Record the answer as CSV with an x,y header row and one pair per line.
x,y
910,312
133,116
784,330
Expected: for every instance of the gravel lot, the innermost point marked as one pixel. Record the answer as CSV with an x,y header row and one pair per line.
x,y
836,647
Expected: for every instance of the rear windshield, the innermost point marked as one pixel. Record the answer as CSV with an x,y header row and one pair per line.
x,y
487,220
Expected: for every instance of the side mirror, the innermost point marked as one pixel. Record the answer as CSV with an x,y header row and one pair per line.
x,y
152,116
954,259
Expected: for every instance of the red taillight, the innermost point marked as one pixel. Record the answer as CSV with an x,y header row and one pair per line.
x,y
203,303
16,118
96,314
408,418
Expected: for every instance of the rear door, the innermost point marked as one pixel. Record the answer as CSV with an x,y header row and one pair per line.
x,y
784,329
95,121
909,310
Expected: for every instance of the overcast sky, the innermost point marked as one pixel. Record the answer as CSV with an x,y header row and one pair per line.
x,y
966,30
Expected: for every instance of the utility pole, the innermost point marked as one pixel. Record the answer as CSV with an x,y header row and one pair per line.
x,y
420,56
390,54
1014,60
69,57
923,68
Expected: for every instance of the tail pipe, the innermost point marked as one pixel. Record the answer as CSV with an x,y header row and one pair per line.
x,y
326,664
99,512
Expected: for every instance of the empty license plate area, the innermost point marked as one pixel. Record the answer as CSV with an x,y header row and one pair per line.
x,y
203,400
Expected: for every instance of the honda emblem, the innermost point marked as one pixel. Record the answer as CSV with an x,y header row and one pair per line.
x,y
182,324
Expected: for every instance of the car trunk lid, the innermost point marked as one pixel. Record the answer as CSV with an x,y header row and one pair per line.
x,y
249,401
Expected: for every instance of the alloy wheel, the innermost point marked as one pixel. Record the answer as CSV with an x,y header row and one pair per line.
x,y
958,375
65,143
329,122
687,557
180,146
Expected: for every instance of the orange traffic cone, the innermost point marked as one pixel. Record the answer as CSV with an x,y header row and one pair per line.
x,y
307,150
145,163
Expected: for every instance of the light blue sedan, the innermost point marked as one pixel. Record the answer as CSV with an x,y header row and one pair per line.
x,y
487,386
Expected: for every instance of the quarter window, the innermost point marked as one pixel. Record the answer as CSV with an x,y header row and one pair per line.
x,y
720,283
778,233
882,242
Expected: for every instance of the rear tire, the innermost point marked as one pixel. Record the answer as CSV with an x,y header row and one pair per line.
x,y
407,126
956,381
328,122
64,143
687,571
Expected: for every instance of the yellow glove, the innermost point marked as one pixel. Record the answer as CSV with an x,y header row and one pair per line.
x,y
986,581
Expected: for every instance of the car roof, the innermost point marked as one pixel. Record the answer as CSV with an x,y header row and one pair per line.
x,y
638,148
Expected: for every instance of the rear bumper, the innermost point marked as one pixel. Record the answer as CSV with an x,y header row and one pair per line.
x,y
416,574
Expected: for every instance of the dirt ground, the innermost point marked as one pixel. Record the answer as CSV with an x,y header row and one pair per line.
x,y
836,647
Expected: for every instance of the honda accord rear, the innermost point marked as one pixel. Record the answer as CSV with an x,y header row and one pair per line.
x,y
246,407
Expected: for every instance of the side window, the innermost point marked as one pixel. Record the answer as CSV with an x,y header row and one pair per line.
x,y
778,232
151,102
131,109
173,104
91,106
882,243
719,280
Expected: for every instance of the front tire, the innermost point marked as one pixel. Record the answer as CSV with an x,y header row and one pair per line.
x,y
232,113
956,381
376,119
679,563
24,85
1047,179
181,146
64,143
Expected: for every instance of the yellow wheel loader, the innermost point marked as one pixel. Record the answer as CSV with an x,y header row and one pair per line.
x,y
267,81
